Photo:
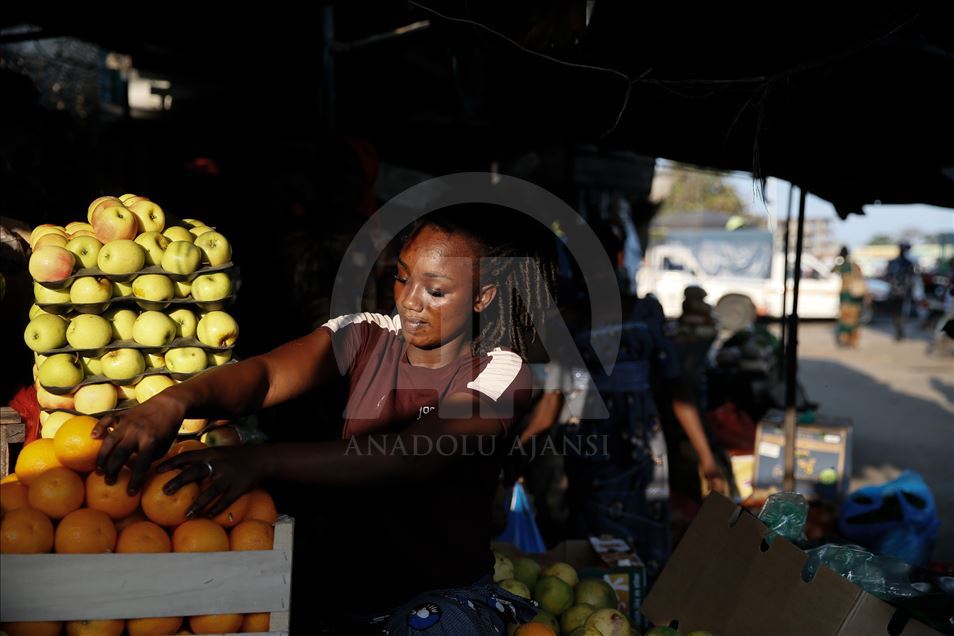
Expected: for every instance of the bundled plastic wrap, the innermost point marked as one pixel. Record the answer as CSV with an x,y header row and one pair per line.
x,y
885,577
785,514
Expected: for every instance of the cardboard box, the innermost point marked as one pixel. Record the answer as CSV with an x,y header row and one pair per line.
x,y
608,558
725,578
822,456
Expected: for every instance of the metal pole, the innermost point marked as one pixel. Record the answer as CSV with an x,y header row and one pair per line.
x,y
788,226
791,371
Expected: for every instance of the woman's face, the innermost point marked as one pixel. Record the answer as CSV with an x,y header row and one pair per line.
x,y
435,292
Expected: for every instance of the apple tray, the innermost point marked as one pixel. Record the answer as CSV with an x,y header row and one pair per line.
x,y
148,305
64,587
125,278
102,379
132,344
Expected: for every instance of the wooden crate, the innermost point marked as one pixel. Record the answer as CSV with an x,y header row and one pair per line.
x,y
11,432
64,587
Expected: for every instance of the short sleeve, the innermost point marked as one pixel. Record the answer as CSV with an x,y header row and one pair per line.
x,y
503,383
351,333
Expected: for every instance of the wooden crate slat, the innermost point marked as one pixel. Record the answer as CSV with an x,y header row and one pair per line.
x,y
104,586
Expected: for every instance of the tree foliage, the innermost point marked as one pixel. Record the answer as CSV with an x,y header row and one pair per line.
x,y
694,191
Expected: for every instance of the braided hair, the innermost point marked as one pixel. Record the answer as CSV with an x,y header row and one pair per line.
x,y
513,255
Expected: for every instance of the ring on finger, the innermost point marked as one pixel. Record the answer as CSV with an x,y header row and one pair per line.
x,y
210,468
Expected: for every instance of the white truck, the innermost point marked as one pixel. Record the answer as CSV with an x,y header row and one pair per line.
x,y
730,265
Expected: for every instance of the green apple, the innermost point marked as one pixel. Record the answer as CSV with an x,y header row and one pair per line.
x,y
61,370
39,358
154,287
217,329
122,364
132,199
191,223
181,257
183,289
155,245
51,263
217,358
89,289
45,332
54,420
215,248
92,366
210,287
178,233
76,226
42,230
151,217
48,400
155,360
36,310
192,425
124,198
126,392
47,296
154,329
89,331
151,385
199,230
186,322
122,290
122,321
57,239
100,203
95,398
85,249
122,256
186,359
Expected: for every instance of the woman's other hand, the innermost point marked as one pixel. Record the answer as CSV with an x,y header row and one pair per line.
x,y
230,472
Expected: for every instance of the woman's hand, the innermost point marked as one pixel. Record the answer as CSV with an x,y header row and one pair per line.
x,y
147,431
231,472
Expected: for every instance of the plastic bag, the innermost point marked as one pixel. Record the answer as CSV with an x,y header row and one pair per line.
x,y
885,577
522,528
898,518
785,514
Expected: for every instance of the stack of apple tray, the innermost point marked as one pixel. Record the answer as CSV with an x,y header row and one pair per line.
x,y
128,303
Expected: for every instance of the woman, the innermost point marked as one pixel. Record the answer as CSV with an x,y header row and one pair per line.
x,y
852,299
433,392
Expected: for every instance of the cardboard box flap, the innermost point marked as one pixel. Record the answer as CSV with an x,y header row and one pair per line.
x,y
725,578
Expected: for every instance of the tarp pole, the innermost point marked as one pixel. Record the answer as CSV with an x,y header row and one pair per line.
x,y
784,314
791,351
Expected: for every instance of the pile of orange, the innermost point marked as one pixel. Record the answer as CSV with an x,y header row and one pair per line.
x,y
54,503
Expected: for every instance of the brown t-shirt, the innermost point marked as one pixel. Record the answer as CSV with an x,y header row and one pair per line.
x,y
397,541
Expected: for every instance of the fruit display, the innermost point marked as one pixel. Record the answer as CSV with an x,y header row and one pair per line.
x,y
53,502
568,605
128,302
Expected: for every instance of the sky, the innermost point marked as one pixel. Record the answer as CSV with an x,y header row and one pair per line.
x,y
856,230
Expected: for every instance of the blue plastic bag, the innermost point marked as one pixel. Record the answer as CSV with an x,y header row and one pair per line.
x,y
522,528
898,518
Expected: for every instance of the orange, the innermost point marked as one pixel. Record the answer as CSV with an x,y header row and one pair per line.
x,y
153,626
56,493
13,495
32,628
26,531
113,500
534,629
35,458
200,535
261,506
143,536
167,510
85,531
234,513
95,628
215,623
131,519
255,622
73,445
252,534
